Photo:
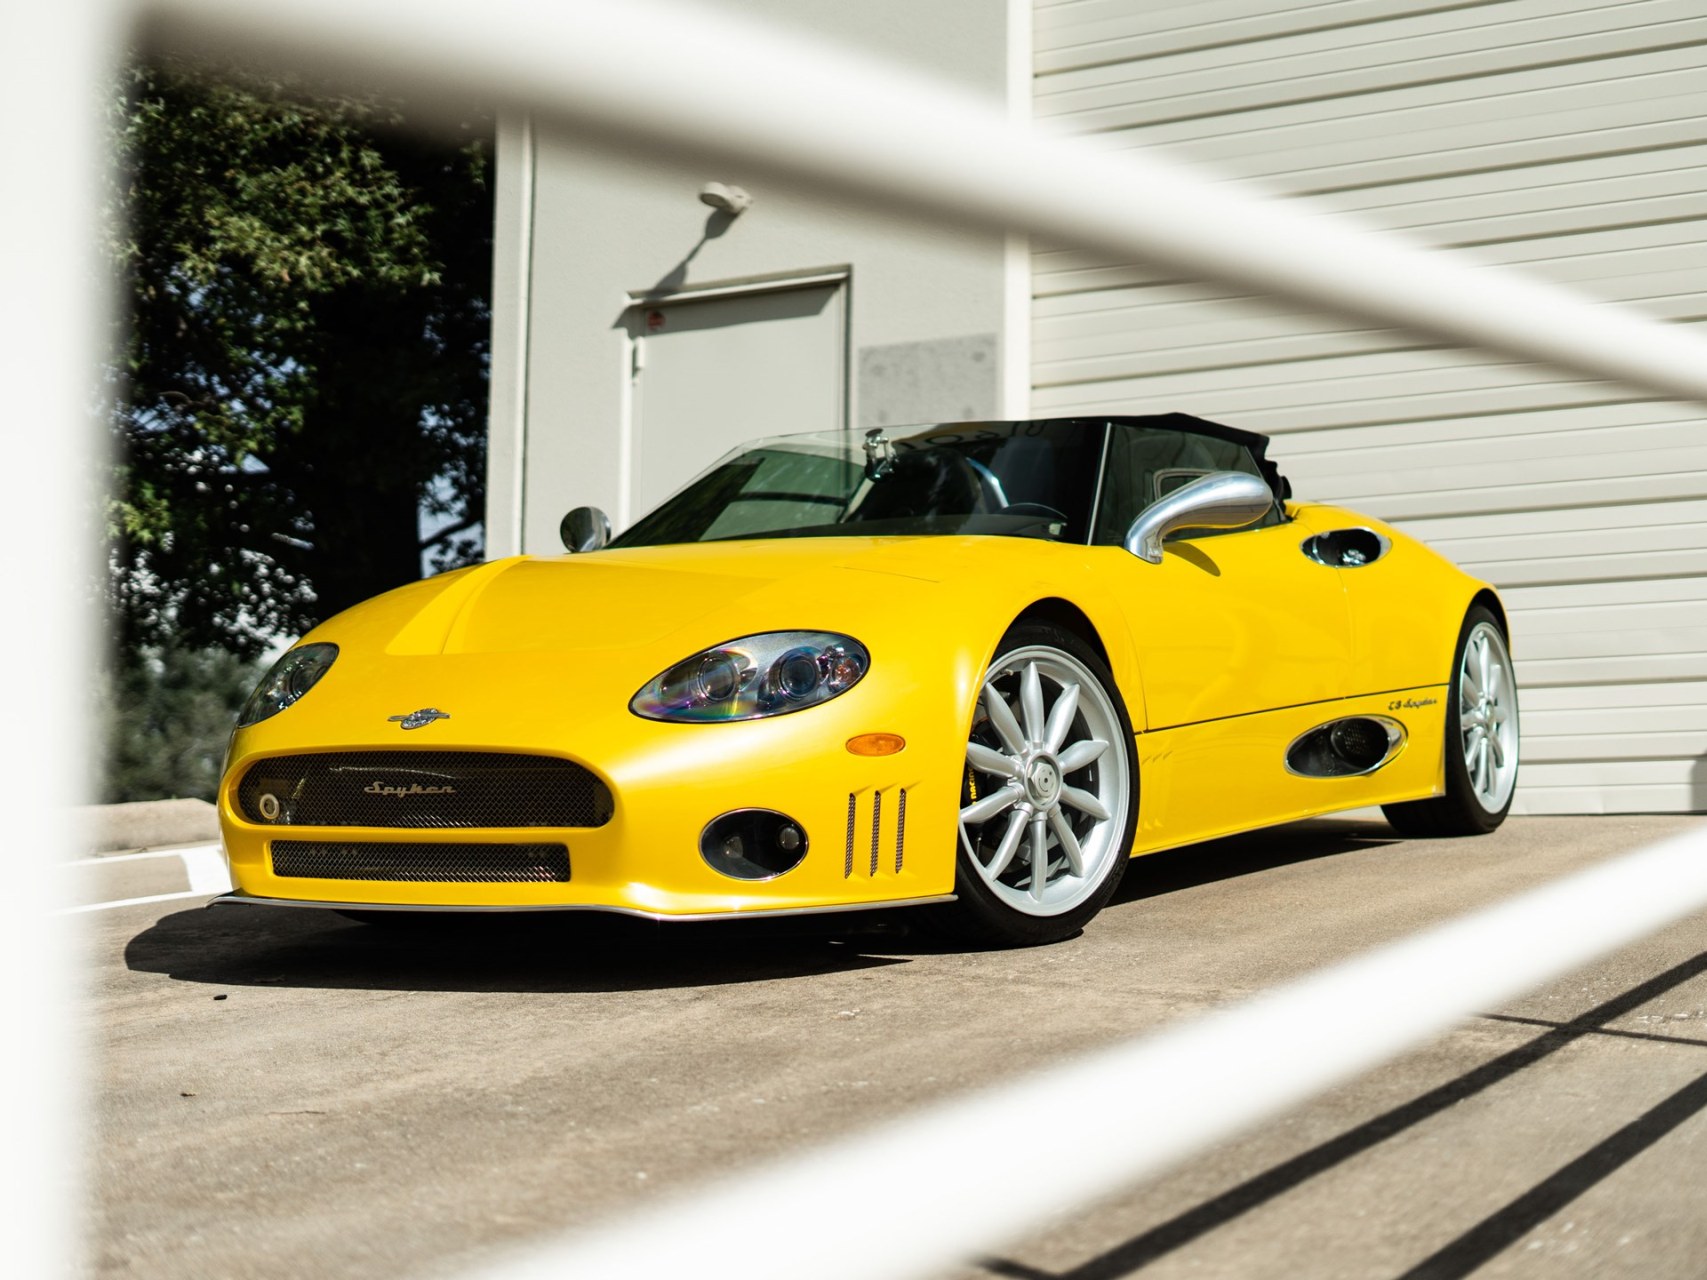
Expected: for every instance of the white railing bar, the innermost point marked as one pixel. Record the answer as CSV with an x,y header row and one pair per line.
x,y
711,85
50,308
924,1192
691,82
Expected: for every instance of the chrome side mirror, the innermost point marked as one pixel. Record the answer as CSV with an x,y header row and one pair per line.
x,y
1219,500
585,529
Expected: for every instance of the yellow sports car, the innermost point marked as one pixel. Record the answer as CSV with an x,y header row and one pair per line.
x,y
973,666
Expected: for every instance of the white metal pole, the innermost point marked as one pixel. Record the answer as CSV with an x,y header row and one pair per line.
x,y
704,82
50,303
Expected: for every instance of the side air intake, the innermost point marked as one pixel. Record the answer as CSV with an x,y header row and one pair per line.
x,y
1346,748
876,840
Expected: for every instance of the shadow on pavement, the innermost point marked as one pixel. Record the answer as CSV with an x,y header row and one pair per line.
x,y
593,952
526,952
1494,1233
1174,869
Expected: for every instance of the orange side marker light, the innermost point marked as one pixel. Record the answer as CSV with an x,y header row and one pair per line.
x,y
876,744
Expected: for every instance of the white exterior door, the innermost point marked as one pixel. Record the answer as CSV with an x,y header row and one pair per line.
x,y
712,373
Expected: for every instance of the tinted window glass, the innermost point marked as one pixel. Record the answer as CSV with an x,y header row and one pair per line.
x,y
1020,479
1145,463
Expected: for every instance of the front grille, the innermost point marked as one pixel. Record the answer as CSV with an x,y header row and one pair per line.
x,y
440,863
422,790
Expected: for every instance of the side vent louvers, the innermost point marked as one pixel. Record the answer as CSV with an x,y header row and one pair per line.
x,y
900,828
847,863
876,826
875,832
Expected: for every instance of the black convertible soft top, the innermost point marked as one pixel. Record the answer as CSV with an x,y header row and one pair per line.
x,y
1257,444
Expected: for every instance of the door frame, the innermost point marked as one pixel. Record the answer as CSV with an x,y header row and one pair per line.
x,y
633,348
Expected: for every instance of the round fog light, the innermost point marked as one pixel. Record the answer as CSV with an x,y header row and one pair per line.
x,y
752,844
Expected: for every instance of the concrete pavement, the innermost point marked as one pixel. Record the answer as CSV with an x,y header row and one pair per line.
x,y
280,1093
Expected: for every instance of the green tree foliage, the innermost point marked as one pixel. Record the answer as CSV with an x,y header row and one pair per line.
x,y
167,715
302,363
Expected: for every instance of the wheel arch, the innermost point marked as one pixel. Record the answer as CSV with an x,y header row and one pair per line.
x,y
1068,616
1095,617
1490,601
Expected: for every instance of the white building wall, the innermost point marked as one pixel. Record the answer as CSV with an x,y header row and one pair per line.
x,y
582,232
1568,137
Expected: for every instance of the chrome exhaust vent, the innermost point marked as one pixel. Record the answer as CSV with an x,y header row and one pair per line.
x,y
1348,748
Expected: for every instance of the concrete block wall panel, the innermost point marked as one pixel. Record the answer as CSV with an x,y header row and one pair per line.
x,y
1564,137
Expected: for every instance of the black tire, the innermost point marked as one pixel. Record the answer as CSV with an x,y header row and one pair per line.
x,y
997,903
1466,809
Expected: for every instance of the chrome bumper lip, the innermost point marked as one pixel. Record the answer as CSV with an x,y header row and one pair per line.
x,y
248,900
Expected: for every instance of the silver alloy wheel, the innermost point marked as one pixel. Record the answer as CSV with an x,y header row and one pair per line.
x,y
1044,800
1487,717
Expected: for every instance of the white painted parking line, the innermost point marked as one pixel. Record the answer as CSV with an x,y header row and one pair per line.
x,y
129,902
207,869
103,860
204,866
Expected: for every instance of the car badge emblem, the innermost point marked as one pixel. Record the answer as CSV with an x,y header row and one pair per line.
x,y
418,719
378,788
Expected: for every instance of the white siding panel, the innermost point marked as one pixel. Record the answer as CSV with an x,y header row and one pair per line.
x,y
1622,773
1530,114
1542,669
1445,530
1567,138
1313,67
1507,573
1615,264
1536,798
1582,190
1070,35
1628,699
1615,746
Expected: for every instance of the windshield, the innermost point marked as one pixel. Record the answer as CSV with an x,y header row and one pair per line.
x,y
1017,479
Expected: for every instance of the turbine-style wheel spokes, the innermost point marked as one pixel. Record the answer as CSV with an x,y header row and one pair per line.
x,y
1487,717
1043,801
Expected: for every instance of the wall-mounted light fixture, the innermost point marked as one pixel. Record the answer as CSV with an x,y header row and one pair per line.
x,y
730,199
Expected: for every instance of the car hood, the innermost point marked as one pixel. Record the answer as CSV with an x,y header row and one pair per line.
x,y
628,599
546,653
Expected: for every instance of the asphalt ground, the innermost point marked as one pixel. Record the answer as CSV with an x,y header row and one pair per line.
x,y
280,1093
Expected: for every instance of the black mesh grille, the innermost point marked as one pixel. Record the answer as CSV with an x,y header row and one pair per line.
x,y
422,789
442,863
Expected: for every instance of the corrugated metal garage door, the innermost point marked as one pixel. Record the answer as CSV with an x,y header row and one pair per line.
x,y
1568,137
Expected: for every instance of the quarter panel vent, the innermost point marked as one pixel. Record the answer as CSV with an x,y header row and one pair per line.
x,y
1347,748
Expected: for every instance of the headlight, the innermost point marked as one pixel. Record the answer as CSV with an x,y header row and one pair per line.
x,y
764,675
291,676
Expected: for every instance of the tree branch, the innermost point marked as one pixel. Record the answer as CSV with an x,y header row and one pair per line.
x,y
450,531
